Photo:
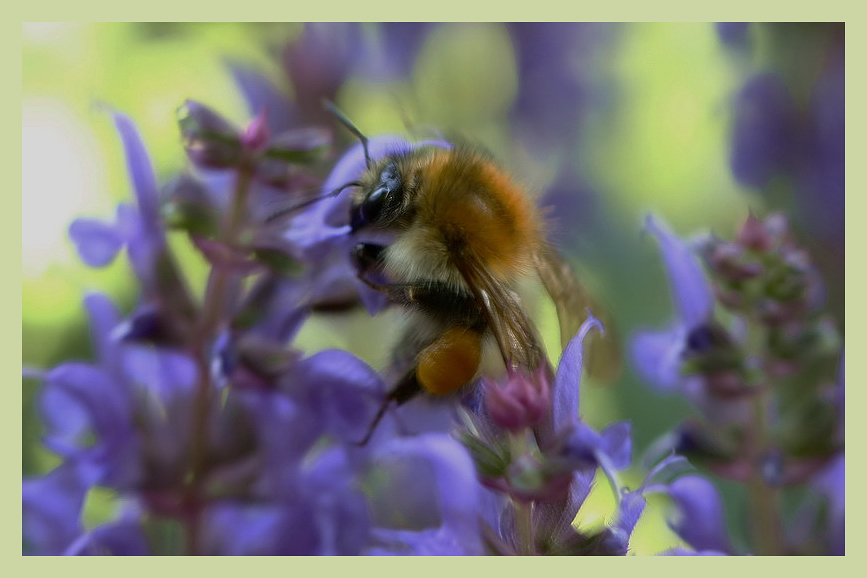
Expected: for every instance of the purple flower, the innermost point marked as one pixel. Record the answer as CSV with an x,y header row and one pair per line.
x,y
701,519
822,172
393,57
319,62
555,477
314,510
457,532
764,141
261,94
658,354
553,97
51,510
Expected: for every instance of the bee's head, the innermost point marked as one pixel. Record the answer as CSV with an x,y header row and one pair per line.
x,y
379,204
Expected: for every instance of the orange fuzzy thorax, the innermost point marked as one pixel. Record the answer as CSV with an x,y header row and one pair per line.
x,y
474,210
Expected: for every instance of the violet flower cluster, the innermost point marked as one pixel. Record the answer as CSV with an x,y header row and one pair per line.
x,y
218,436
752,348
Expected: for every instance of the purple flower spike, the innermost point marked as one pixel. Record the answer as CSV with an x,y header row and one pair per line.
x,y
701,523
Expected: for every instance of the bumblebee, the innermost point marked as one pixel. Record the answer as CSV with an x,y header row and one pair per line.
x,y
463,234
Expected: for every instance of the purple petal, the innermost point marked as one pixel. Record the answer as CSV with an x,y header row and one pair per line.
x,y
319,61
402,43
616,443
165,373
285,431
342,388
51,510
657,356
107,408
261,94
79,399
235,529
104,318
555,518
567,381
140,171
555,91
701,522
340,510
692,294
631,506
97,242
318,513
457,492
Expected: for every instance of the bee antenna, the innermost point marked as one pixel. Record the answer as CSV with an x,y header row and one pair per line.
x,y
350,127
292,208
379,415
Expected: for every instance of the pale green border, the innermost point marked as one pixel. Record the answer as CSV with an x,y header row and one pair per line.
x,y
449,11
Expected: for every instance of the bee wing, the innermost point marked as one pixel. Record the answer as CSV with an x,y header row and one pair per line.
x,y
512,329
572,300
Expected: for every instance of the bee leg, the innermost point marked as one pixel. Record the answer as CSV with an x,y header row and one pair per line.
x,y
444,366
407,388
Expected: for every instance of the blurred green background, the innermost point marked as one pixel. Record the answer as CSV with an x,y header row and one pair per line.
x,y
654,137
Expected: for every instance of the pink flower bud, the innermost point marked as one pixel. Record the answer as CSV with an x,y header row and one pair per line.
x,y
521,401
256,134
754,235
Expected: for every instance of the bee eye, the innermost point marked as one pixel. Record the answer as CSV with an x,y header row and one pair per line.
x,y
375,203
382,204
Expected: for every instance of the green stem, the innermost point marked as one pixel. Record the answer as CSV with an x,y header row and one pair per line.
x,y
520,445
764,499
524,522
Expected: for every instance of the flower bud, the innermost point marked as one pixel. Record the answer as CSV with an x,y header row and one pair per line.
x,y
753,235
256,134
211,141
519,402
189,207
